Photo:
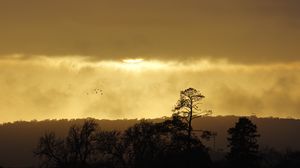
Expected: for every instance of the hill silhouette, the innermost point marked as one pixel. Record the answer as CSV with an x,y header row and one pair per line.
x,y
19,139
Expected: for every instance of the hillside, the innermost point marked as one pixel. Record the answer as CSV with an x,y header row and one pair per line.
x,y
18,139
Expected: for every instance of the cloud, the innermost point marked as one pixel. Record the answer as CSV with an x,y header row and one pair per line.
x,y
64,87
239,31
284,96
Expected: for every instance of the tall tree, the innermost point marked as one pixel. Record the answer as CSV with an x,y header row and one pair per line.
x,y
177,153
73,151
145,142
243,144
51,151
80,141
187,107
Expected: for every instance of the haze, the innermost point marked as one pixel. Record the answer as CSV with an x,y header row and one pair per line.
x,y
65,59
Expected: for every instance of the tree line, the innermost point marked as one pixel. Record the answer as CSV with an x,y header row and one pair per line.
x,y
171,143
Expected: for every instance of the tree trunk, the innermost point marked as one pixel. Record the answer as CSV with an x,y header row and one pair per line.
x,y
190,126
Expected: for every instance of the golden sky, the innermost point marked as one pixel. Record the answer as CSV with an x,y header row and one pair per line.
x,y
243,55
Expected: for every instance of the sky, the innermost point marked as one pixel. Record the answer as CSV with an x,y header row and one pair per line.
x,y
119,59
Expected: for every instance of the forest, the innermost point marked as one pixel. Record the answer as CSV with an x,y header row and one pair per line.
x,y
169,143
189,138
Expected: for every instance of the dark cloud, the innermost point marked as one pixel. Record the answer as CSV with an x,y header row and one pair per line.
x,y
239,30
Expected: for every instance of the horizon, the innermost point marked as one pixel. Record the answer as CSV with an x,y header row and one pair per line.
x,y
141,119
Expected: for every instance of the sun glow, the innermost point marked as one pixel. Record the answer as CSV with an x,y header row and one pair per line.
x,y
133,61
133,64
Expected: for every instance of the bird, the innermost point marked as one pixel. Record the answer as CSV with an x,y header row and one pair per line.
x,y
96,91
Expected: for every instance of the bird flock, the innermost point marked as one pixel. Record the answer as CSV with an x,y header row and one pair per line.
x,y
95,91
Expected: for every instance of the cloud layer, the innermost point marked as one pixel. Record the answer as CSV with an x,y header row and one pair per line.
x,y
69,87
243,55
236,30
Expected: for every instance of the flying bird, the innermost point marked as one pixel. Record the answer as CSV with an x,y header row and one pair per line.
x,y
95,91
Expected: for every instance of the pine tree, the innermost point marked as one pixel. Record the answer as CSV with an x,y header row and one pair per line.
x,y
243,144
188,109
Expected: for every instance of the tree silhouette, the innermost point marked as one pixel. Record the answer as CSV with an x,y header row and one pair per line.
x,y
188,108
164,145
73,151
80,141
177,152
243,144
143,145
51,151
112,146
208,135
147,143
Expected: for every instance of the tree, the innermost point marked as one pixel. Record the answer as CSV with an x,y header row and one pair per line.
x,y
177,153
164,145
145,144
112,148
73,151
188,108
243,144
80,141
51,151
